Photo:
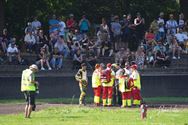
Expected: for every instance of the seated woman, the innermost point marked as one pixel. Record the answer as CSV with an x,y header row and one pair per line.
x,y
140,57
175,48
57,59
44,57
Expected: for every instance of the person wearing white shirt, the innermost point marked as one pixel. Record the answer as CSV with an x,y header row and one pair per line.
x,y
12,51
30,41
181,37
171,25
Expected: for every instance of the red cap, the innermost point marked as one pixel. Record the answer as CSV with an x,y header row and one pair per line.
x,y
134,66
109,65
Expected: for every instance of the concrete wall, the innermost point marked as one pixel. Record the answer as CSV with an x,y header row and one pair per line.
x,y
67,87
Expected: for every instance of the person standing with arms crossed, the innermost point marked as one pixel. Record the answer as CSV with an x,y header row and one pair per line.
x,y
81,77
29,87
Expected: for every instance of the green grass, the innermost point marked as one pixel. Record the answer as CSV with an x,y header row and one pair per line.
x,y
90,100
74,115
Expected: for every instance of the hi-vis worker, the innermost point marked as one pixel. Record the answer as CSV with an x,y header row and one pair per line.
x,y
28,87
137,85
125,85
81,77
107,80
96,84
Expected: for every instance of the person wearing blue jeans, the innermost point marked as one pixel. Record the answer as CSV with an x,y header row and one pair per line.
x,y
57,59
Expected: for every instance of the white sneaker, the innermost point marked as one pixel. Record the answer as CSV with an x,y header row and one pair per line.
x,y
42,68
174,57
178,57
49,68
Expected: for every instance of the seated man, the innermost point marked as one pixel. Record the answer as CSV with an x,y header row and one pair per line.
x,y
30,42
62,47
181,38
57,59
162,60
12,52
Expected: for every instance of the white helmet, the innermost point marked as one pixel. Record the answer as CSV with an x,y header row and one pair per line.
x,y
33,66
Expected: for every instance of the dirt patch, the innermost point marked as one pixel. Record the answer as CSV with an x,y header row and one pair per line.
x,y
19,108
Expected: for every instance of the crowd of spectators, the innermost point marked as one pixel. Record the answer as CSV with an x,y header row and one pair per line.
x,y
125,39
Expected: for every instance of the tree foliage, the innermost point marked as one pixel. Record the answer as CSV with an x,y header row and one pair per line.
x,y
19,12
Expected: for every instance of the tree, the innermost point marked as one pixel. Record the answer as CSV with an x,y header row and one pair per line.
x,y
1,15
184,7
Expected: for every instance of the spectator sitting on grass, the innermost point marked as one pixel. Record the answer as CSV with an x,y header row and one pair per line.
x,y
44,57
13,52
57,59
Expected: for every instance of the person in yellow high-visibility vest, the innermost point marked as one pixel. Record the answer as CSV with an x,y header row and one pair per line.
x,y
137,86
107,80
125,85
28,87
96,84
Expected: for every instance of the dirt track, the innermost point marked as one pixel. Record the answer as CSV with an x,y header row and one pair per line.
x,y
19,108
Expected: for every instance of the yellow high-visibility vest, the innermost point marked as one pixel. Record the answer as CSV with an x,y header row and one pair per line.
x,y
26,84
96,79
136,78
122,86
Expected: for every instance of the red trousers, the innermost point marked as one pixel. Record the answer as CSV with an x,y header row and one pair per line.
x,y
107,92
136,94
97,91
126,95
